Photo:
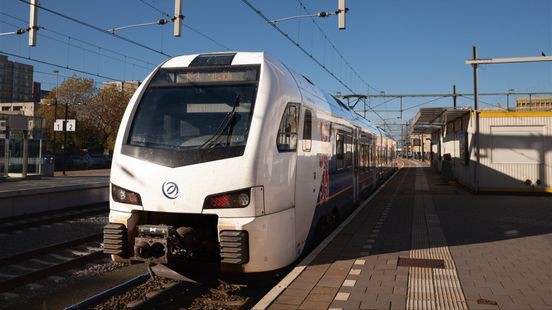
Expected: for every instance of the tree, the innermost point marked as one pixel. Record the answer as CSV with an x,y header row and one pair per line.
x,y
104,114
98,114
73,93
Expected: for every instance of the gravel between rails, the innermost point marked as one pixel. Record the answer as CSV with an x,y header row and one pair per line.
x,y
187,295
137,293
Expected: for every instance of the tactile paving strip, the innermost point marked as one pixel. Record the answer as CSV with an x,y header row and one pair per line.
x,y
431,288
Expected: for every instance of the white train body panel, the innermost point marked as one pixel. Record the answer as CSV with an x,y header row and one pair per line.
x,y
287,189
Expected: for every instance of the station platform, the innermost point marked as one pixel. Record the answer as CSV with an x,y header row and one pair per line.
x,y
419,243
35,195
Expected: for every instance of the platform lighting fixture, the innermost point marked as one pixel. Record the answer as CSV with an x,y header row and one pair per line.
x,y
56,72
510,91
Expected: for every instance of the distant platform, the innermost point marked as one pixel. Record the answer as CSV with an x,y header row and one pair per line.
x,y
34,195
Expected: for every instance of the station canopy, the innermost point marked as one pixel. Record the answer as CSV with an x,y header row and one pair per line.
x,y
430,120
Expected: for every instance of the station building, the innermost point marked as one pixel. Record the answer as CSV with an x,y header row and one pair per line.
x,y
21,141
514,152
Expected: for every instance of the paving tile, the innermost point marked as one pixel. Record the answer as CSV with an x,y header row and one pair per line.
x,y
319,297
277,306
345,305
289,300
378,305
380,290
297,292
315,305
331,281
342,296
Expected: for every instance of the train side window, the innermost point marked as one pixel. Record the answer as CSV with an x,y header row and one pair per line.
x,y
348,151
363,157
287,133
339,156
307,131
370,157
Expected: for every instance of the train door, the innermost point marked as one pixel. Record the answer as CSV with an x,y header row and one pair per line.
x,y
307,177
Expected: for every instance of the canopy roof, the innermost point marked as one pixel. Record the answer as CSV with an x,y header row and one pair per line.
x,y
430,120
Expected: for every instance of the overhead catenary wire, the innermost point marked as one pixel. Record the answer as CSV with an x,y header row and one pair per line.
x,y
96,82
423,103
96,28
302,49
59,66
70,38
335,48
297,44
206,36
484,102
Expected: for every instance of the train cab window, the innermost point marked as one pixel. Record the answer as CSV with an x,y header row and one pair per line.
x,y
339,152
287,133
307,131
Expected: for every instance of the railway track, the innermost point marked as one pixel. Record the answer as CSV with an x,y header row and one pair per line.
x,y
12,224
145,292
36,264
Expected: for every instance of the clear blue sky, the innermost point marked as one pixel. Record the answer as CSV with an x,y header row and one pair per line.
x,y
398,46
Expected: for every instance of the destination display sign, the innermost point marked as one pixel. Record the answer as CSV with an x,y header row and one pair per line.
x,y
205,75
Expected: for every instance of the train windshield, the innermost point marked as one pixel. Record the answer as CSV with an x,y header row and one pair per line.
x,y
202,111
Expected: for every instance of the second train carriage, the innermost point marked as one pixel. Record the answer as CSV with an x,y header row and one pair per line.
x,y
232,158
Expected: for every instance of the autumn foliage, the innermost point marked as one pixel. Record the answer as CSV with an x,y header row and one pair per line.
x,y
98,113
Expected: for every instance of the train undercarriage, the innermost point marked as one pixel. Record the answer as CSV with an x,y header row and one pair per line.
x,y
177,240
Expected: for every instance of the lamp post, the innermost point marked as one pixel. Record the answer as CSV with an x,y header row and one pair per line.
x,y
65,138
510,91
55,113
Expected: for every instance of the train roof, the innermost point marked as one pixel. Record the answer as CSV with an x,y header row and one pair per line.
x,y
336,106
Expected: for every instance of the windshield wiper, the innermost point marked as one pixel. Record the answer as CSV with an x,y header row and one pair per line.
x,y
227,123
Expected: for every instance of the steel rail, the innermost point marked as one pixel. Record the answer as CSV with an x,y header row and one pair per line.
x,y
19,280
7,260
105,295
26,221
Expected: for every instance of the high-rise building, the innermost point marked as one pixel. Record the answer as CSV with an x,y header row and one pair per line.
x,y
129,86
16,81
37,91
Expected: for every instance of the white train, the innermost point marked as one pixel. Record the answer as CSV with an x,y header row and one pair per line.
x,y
234,159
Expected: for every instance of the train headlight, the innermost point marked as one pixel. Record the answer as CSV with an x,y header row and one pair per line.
x,y
120,194
235,199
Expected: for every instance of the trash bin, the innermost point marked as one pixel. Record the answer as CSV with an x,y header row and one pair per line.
x,y
446,168
48,165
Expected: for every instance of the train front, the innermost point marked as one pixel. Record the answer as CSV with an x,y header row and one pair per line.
x,y
183,186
